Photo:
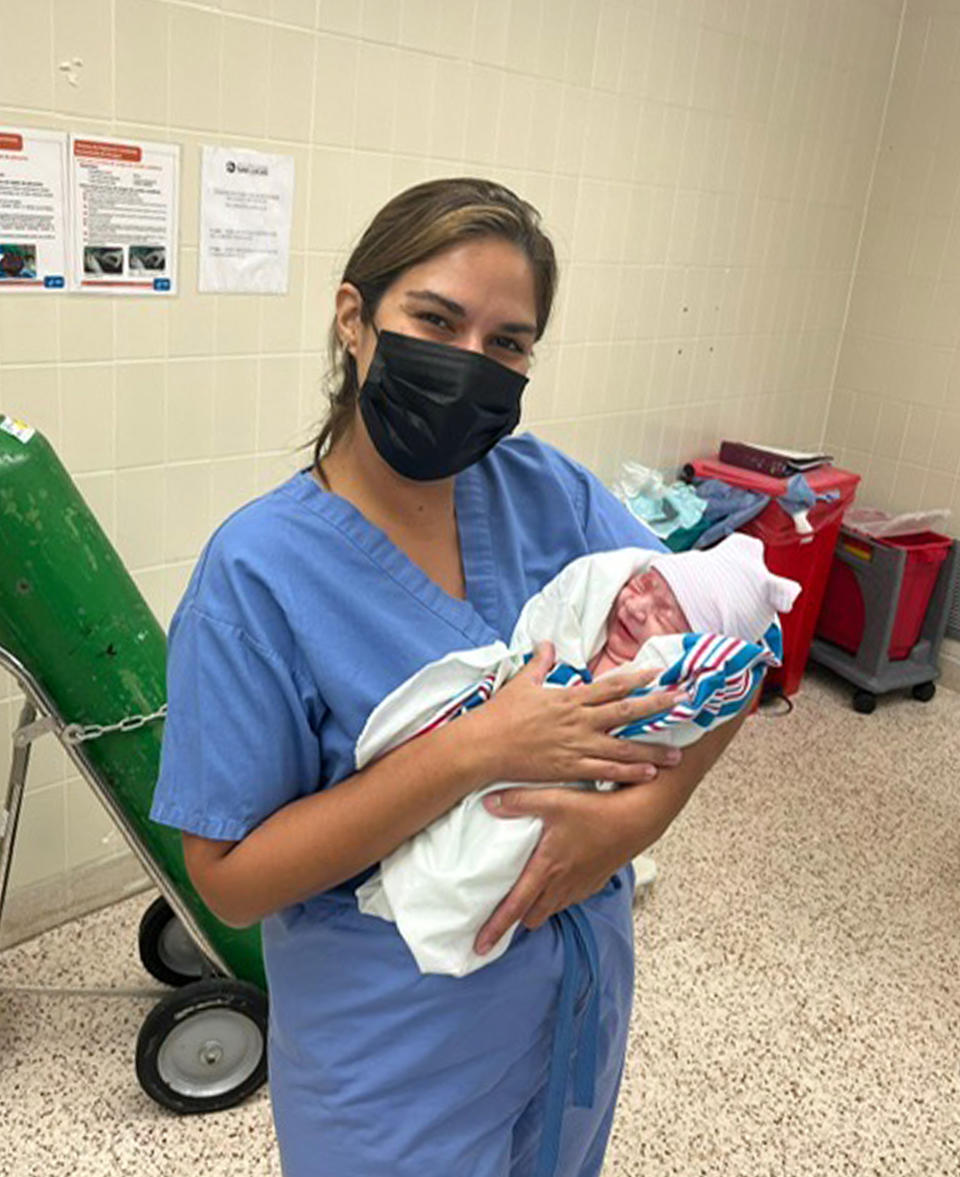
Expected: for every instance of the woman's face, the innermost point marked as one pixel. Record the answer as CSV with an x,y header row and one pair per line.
x,y
645,607
478,295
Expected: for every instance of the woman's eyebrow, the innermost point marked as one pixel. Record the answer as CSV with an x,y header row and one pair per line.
x,y
456,309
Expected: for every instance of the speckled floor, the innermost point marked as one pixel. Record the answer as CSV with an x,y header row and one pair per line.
x,y
798,1000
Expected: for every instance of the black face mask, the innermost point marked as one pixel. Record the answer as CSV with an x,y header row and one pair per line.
x,y
432,409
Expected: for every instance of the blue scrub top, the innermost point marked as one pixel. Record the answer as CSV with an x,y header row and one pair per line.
x,y
300,617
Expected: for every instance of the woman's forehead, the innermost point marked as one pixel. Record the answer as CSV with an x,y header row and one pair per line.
x,y
488,274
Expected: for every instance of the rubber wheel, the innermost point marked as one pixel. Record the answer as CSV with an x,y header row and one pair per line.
x,y
203,1048
924,691
865,702
166,950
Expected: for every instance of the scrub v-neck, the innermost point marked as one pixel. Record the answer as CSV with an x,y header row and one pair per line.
x,y
476,615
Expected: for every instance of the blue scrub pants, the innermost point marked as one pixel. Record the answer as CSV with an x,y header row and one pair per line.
x,y
378,1071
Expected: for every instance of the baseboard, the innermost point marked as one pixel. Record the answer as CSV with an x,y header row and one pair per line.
x,y
950,665
30,911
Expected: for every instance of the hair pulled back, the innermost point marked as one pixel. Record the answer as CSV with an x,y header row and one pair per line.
x,y
409,229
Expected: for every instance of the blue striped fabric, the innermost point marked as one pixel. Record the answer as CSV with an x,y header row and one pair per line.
x,y
719,672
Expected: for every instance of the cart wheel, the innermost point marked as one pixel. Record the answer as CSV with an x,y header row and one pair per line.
x,y
203,1048
166,950
865,702
924,691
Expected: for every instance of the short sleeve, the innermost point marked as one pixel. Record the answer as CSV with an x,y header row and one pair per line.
x,y
239,740
606,522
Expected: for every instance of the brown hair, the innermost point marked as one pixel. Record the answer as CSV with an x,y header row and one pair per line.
x,y
410,228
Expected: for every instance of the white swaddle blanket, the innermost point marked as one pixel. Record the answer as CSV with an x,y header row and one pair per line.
x,y
442,885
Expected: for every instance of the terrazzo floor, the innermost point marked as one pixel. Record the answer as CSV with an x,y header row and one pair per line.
x,y
798,982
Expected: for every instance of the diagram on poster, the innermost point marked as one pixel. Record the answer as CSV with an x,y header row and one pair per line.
x,y
246,207
33,222
124,200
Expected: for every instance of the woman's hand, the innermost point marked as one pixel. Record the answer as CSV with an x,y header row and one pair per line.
x,y
587,836
584,842
534,733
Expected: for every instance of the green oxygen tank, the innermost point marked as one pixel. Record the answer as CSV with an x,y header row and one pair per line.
x,y
72,614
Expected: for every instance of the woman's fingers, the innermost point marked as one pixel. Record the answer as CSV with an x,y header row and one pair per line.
x,y
619,712
615,685
632,752
525,893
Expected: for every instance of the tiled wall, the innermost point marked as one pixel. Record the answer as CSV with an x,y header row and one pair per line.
x,y
895,410
703,166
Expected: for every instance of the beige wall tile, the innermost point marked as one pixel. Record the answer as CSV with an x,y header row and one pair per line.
x,y
291,85
141,413
188,429
246,55
87,404
91,833
231,485
140,505
186,510
237,324
41,837
191,316
86,327
140,327
27,79
376,108
281,315
278,403
416,76
195,53
142,60
29,328
33,395
296,12
333,16
335,90
235,406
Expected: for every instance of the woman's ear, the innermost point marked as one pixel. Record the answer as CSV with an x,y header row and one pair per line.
x,y
349,302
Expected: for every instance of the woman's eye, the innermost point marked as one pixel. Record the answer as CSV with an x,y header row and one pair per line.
x,y
507,342
434,318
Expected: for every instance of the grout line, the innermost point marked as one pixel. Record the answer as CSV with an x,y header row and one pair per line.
x,y
854,268
75,991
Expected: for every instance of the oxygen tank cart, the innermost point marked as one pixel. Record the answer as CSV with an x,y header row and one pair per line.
x,y
885,613
83,646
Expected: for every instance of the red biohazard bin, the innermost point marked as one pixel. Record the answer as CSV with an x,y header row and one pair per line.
x,y
806,559
843,615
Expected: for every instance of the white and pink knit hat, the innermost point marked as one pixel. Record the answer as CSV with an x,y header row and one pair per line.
x,y
728,589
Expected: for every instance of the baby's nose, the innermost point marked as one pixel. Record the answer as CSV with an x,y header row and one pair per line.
x,y
637,608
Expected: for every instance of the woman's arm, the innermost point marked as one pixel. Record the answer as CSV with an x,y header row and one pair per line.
x,y
320,840
523,733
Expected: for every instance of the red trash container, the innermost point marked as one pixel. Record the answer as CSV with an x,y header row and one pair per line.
x,y
807,559
843,613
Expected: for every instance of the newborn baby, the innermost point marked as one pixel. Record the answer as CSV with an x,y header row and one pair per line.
x,y
706,619
645,607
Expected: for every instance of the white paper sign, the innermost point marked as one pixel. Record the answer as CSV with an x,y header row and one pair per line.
x,y
33,222
124,198
246,207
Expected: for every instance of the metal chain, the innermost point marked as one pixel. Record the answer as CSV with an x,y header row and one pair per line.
x,y
76,733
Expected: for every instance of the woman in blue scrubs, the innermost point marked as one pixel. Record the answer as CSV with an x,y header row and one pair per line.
x,y
420,527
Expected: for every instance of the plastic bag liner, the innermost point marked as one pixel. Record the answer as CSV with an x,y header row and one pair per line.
x,y
873,521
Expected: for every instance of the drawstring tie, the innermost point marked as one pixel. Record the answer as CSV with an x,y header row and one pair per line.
x,y
580,963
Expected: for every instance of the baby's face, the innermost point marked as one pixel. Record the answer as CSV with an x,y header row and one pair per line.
x,y
644,608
